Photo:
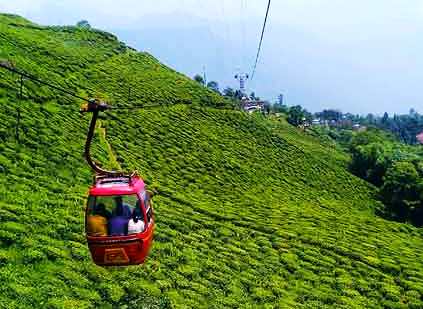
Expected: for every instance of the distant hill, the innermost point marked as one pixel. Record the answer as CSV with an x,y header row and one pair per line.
x,y
253,213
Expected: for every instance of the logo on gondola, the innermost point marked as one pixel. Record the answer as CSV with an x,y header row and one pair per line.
x,y
115,256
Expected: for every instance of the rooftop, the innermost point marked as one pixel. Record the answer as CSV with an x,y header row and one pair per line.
x,y
117,186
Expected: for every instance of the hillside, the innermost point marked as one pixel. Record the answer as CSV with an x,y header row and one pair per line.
x,y
251,213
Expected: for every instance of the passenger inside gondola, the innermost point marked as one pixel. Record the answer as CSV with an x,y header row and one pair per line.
x,y
97,222
118,223
136,223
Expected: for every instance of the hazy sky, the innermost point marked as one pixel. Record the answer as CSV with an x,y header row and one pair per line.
x,y
356,55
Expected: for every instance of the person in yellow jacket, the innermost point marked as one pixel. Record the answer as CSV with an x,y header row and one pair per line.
x,y
97,222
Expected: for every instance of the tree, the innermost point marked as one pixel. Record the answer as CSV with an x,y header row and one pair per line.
x,y
83,24
413,113
308,116
296,115
370,118
229,92
351,117
330,114
402,192
385,118
266,108
199,79
370,162
238,94
213,86
280,108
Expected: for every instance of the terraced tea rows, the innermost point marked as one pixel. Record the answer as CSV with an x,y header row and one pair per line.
x,y
272,233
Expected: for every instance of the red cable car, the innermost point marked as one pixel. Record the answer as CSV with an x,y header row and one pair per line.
x,y
119,220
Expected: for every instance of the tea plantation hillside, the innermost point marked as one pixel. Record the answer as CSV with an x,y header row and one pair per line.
x,y
251,212
92,63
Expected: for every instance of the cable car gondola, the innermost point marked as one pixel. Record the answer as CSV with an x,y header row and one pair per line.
x,y
119,220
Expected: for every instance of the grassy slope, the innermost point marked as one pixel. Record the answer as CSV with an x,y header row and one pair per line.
x,y
252,212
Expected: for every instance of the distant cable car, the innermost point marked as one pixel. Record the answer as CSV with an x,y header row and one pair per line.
x,y
119,220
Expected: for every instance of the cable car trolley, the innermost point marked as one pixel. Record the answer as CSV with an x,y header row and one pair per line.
x,y
119,220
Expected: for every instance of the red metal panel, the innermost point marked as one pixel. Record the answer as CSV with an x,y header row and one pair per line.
x,y
121,250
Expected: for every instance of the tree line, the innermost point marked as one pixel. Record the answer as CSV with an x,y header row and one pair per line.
x,y
395,168
405,127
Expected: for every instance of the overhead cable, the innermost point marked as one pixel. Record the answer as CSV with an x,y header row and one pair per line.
x,y
8,66
261,40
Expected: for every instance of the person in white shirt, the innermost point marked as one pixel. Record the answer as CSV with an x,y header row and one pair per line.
x,y
136,223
